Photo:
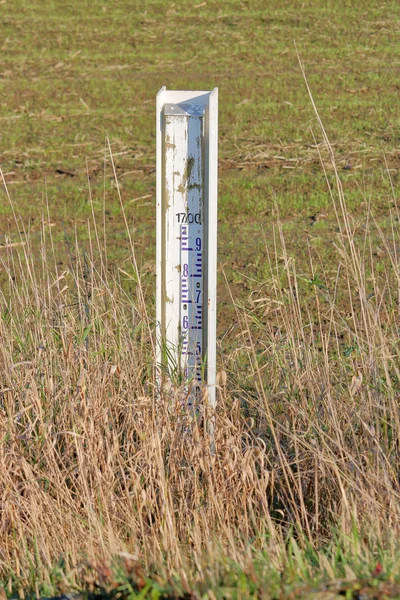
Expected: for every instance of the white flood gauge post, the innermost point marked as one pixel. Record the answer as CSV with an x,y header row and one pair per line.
x,y
187,126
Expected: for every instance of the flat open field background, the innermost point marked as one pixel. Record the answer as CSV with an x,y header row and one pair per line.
x,y
72,73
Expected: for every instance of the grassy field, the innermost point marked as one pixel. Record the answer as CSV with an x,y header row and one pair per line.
x,y
102,489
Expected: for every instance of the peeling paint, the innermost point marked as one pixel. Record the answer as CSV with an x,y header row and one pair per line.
x,y
189,167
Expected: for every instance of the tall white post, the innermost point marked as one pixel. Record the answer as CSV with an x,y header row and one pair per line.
x,y
187,154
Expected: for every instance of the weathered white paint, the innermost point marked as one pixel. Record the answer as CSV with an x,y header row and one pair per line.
x,y
210,226
187,235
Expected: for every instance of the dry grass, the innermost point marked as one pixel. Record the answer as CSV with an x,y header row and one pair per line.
x,y
307,428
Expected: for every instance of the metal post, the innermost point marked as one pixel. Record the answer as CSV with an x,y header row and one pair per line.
x,y
187,130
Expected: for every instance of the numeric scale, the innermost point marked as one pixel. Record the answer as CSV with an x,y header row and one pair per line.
x,y
187,146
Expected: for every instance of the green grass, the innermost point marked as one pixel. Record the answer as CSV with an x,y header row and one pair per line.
x,y
344,568
73,74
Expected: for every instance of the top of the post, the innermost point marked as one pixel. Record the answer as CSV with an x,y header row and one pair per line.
x,y
185,110
185,97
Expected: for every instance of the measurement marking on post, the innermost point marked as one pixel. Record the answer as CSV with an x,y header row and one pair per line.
x,y
186,243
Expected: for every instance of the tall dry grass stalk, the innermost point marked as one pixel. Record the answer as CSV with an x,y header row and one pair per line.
x,y
307,427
